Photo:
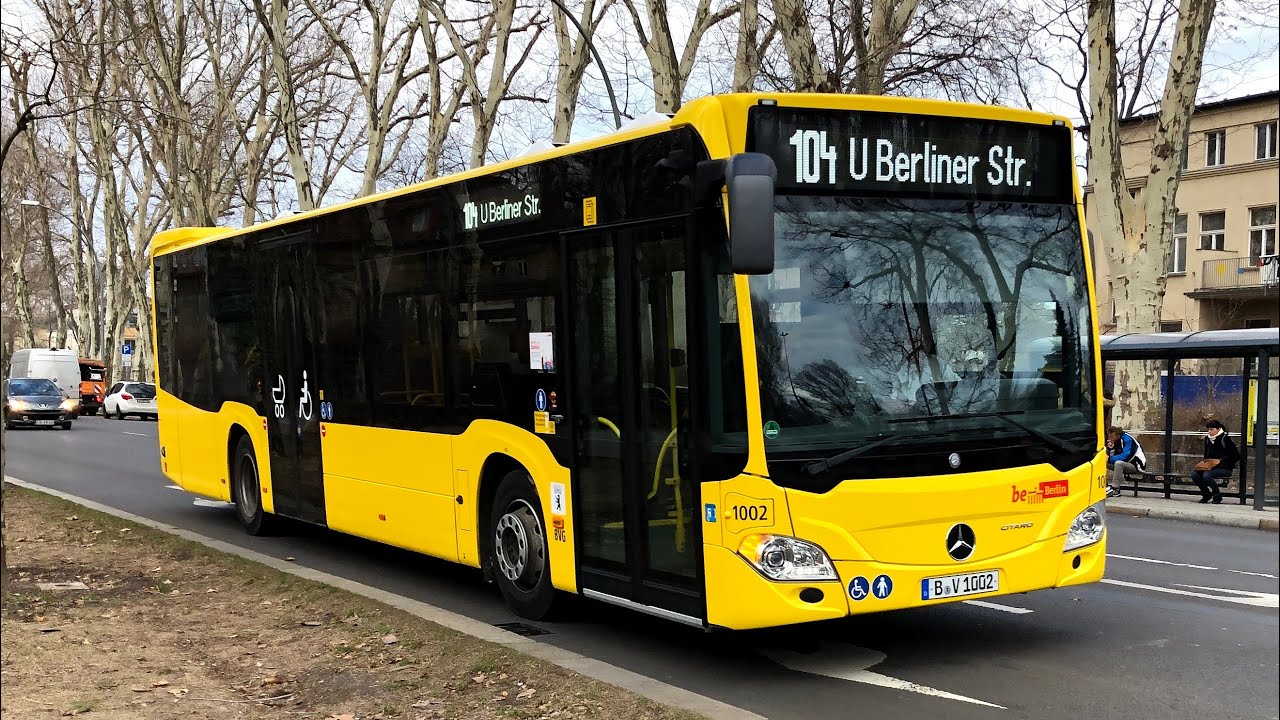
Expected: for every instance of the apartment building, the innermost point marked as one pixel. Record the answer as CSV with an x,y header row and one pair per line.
x,y
1223,270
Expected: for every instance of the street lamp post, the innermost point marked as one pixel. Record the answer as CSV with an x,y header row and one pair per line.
x,y
604,72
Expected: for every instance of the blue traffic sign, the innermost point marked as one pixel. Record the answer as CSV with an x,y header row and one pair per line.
x,y
540,400
126,349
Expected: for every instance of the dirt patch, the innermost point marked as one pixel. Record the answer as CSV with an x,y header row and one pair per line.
x,y
169,629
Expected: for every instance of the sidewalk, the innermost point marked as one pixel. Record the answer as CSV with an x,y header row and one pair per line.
x,y
1229,513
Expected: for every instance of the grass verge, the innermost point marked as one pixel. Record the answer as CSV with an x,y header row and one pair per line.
x,y
168,628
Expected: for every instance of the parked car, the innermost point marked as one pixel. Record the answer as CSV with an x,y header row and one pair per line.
x,y
36,402
130,398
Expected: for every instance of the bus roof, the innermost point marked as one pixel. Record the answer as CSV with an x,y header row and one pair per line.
x,y
708,111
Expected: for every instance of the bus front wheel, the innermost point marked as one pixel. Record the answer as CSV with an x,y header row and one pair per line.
x,y
246,491
519,548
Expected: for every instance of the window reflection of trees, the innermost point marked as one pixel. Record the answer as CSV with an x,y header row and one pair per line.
x,y
928,296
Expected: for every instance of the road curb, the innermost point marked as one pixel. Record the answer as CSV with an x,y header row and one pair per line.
x,y
642,685
1195,515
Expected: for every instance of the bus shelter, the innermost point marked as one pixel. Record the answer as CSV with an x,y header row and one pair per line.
x,y
1256,349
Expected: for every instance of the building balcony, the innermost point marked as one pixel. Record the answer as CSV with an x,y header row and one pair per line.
x,y
1240,277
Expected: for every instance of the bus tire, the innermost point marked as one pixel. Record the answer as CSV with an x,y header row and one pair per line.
x,y
521,565
246,492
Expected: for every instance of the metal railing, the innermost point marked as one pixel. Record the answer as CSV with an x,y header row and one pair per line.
x,y
1240,272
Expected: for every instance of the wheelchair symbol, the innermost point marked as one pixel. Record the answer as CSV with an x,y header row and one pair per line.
x,y
859,588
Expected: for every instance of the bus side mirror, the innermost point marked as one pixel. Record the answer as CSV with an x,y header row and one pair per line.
x,y
749,178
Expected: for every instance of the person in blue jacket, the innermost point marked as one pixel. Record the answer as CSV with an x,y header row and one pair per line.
x,y
1125,456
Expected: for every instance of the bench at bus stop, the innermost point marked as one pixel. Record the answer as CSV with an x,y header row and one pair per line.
x,y
1153,480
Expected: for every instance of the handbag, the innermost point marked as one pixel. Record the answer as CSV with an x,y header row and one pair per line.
x,y
1206,464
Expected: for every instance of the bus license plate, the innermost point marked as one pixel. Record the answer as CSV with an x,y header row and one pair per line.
x,y
957,585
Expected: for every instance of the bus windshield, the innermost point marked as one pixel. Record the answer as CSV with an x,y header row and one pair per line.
x,y
889,320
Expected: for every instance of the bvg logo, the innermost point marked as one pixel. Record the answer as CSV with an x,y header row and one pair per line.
x,y
470,216
1047,491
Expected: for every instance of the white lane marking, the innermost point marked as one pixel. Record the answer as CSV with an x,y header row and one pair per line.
x,y
1161,562
1188,565
1256,599
1254,574
126,432
211,504
848,662
173,487
997,606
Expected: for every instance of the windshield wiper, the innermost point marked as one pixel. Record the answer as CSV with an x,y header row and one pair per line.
x,y
1048,438
840,458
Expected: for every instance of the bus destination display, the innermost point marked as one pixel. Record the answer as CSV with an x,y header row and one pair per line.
x,y
877,153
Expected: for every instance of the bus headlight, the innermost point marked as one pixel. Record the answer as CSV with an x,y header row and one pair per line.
x,y
779,557
1087,528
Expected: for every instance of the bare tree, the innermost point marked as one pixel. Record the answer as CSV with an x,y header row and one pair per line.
x,y
275,21
381,77
1138,224
573,55
668,68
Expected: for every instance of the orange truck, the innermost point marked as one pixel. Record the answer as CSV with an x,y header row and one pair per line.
x,y
93,385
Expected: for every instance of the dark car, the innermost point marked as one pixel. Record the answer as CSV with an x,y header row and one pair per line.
x,y
36,402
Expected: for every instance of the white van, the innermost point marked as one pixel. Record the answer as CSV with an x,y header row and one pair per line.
x,y
60,366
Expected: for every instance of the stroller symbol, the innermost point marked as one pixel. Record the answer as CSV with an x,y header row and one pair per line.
x,y
277,395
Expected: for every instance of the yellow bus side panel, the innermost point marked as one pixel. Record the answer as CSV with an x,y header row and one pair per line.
x,y
472,448
393,486
200,464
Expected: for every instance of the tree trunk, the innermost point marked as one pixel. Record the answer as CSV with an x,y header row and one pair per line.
x,y
21,291
573,56
746,63
1139,225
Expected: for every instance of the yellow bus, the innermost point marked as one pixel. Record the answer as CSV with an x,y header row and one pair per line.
x,y
777,358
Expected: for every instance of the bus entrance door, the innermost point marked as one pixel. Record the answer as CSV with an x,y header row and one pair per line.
x,y
639,539
293,404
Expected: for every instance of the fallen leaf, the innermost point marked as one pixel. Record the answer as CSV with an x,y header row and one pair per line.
x,y
526,693
178,692
389,640
478,678
138,688
272,680
160,683
426,703
343,716
311,623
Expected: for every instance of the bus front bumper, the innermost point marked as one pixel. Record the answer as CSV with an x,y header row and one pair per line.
x,y
740,598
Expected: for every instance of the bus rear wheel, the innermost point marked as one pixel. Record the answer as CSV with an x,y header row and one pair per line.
x,y
246,492
519,548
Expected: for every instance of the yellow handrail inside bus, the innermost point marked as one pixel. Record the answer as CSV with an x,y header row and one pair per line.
x,y
610,425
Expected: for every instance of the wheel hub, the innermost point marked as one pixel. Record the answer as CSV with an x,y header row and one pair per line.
x,y
518,546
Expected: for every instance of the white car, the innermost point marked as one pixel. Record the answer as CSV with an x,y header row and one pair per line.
x,y
130,398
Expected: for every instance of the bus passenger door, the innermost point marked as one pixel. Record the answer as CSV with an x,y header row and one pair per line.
x,y
638,533
291,387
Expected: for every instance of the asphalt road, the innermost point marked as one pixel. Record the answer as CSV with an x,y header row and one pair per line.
x,y
1185,626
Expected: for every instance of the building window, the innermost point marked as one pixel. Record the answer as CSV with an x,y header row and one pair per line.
x,y
1170,326
1262,232
1257,323
1215,148
1178,256
1213,231
1266,133
1186,154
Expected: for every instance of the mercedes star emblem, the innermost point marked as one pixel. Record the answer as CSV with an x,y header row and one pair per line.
x,y
960,542
953,460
